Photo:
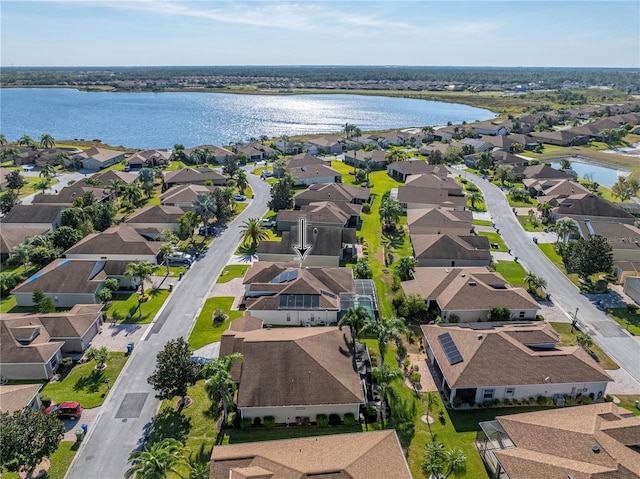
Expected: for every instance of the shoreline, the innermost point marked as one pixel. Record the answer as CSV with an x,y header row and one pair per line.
x,y
621,170
632,151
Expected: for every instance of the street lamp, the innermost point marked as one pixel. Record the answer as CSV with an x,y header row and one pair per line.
x,y
574,321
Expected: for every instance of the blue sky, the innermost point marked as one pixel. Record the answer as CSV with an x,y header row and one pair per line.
x,y
480,33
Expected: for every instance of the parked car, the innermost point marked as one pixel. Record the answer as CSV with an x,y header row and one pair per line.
x,y
239,197
179,257
266,174
267,223
211,230
65,410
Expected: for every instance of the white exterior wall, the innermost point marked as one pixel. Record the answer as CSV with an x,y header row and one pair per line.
x,y
446,263
61,300
632,288
477,315
546,390
296,318
114,256
315,180
43,226
289,413
30,371
315,261
160,226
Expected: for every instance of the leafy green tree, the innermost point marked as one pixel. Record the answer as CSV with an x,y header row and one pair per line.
x,y
62,159
28,436
356,318
99,355
104,295
65,237
384,376
175,371
42,255
159,460
37,296
139,272
362,269
46,305
102,215
167,249
385,330
220,386
15,181
281,196
112,284
205,207
453,154
590,256
405,267
390,211
485,160
42,185
178,152
147,178
133,194
8,200
435,157
499,313
47,141
442,463
395,155
21,253
7,283
230,165
584,341
187,224
252,230
625,188
72,217
565,164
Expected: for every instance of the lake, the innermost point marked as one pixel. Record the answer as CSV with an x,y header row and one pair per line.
x,y
159,120
601,174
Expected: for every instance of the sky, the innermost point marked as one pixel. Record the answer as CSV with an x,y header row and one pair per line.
x,y
554,33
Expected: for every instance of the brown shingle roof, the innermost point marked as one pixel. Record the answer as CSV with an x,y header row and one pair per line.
x,y
66,276
156,214
116,240
366,455
323,240
194,175
298,366
428,196
454,247
184,193
439,218
412,167
32,214
588,204
333,192
16,397
10,237
110,175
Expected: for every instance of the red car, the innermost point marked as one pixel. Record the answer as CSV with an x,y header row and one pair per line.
x,y
65,410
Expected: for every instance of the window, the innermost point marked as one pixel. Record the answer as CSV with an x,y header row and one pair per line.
x,y
312,317
54,363
288,316
487,394
509,392
521,314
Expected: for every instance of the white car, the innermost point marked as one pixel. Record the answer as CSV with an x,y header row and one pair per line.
x,y
239,197
179,257
267,223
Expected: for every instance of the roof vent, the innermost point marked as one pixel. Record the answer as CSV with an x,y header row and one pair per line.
x,y
462,275
479,336
472,283
595,448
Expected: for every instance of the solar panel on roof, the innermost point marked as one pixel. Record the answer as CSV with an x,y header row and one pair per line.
x,y
450,349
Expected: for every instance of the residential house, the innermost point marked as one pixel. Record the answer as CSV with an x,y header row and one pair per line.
x,y
324,145
477,144
400,170
427,150
328,245
18,397
596,128
285,294
193,176
70,282
504,158
289,147
67,195
436,181
107,177
216,153
11,237
506,143
3,178
624,239
480,362
256,151
149,159
32,217
547,189
559,137
378,455
33,344
439,221
468,293
623,269
307,170
588,206
445,133
451,250
153,220
291,373
491,128
538,172
376,159
116,243
632,288
98,158
183,196
334,192
391,138
591,441
412,197
321,213
43,156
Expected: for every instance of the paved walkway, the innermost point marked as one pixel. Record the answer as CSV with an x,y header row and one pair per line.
x,y
426,379
115,336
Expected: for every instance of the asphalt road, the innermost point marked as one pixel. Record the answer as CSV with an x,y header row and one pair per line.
x,y
606,333
131,403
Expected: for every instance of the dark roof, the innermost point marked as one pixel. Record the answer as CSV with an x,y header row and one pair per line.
x,y
333,192
10,237
156,214
323,240
428,196
588,204
32,214
117,239
446,246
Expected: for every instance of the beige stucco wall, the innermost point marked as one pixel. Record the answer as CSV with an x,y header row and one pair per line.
x,y
66,300
30,371
114,256
295,317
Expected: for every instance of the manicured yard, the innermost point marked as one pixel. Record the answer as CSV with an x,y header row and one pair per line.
x,y
547,249
204,331
528,203
629,321
232,271
628,401
59,460
125,306
567,338
174,271
528,226
495,238
85,384
482,223
513,272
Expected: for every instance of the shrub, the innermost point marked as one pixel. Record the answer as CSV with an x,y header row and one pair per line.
x,y
257,422
46,401
67,363
457,402
608,398
366,207
488,403
406,362
495,401
415,377
334,419
349,419
269,422
219,316
234,420
245,423
322,420
454,318
401,352
371,413
586,400
568,400
396,285
541,400
632,308
507,401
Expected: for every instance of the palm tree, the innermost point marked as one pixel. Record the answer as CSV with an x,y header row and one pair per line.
x,y
8,153
43,184
62,159
21,252
220,387
205,207
206,154
503,174
132,193
139,272
545,211
395,155
47,141
534,282
386,330
584,341
3,140
390,211
116,186
475,197
431,402
356,319
263,139
157,461
166,249
26,140
485,160
348,129
564,229
241,181
252,230
368,166
428,132
47,171
384,376
442,463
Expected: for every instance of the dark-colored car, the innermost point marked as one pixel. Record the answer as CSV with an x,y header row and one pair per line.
x,y
211,230
65,410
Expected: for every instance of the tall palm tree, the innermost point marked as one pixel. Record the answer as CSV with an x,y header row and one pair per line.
x,y
132,193
139,272
220,386
241,181
584,341
503,174
157,461
47,171
443,463
386,330
166,249
207,154
62,159
196,156
356,318
384,376
116,186
390,211
43,184
368,167
475,197
565,228
431,399
9,153
205,207
395,155
26,140
21,252
545,211
252,230
485,160
534,282
47,141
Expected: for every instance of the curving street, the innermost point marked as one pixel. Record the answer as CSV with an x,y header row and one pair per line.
x,y
606,333
131,403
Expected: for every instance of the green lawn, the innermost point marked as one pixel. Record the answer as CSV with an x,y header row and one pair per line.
x,y
8,305
529,203
547,249
537,226
567,338
513,272
125,304
232,271
59,461
495,238
174,271
204,331
629,321
482,223
85,384
628,401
